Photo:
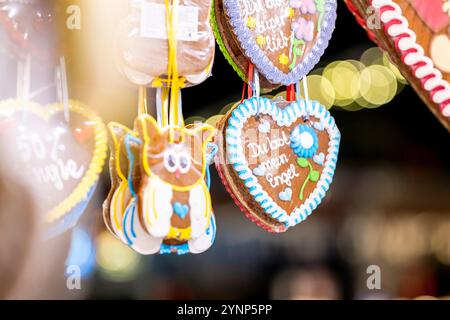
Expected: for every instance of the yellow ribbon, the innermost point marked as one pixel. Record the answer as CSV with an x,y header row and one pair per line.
x,y
175,118
142,102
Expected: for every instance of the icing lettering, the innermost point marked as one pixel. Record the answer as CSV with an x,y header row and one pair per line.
x,y
257,150
274,163
284,178
55,170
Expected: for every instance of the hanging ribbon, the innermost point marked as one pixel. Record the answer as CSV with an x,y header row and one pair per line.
x,y
290,93
305,92
142,101
175,113
248,85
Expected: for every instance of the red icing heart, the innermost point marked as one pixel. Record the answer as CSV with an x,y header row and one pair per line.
x,y
83,132
431,12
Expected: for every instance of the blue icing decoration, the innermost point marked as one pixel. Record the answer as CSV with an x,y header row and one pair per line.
x,y
259,171
318,126
304,141
264,127
179,249
128,220
180,210
286,195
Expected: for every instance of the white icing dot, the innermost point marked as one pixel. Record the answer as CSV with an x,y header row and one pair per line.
x,y
307,140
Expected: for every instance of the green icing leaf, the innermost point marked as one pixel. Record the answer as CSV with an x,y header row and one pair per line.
x,y
320,5
303,162
314,176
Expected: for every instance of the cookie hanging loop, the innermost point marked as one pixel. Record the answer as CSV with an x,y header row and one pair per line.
x,y
255,85
162,106
142,101
256,88
176,115
62,88
305,94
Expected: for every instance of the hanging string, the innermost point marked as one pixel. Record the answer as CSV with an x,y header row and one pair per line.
x,y
305,93
290,93
248,85
256,87
62,87
305,90
142,101
24,79
175,113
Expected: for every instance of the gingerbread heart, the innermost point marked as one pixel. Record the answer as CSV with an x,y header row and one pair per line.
x,y
277,159
284,39
416,34
61,160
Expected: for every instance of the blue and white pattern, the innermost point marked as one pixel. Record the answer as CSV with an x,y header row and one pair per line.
x,y
283,117
260,59
304,141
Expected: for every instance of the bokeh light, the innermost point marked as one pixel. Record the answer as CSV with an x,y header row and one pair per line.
x,y
387,63
116,261
344,77
372,56
320,89
212,121
378,85
82,252
194,119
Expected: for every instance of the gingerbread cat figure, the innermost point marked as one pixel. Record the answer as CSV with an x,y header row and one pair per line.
x,y
173,198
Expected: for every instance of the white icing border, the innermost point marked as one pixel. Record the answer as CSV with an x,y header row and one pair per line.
x,y
283,117
413,53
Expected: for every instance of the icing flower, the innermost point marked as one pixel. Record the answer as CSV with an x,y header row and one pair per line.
x,y
290,12
303,29
284,59
261,40
305,6
251,22
304,141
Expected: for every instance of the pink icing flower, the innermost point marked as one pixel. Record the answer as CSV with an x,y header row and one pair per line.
x,y
303,29
305,6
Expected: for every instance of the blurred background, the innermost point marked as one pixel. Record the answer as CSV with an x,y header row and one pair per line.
x,y
389,204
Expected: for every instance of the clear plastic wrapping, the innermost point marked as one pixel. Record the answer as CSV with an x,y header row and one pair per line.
x,y
142,45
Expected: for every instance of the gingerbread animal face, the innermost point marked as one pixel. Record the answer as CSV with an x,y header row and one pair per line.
x,y
177,155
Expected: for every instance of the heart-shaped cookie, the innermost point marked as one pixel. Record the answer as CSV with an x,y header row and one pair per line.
x,y
284,39
61,160
272,175
416,34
